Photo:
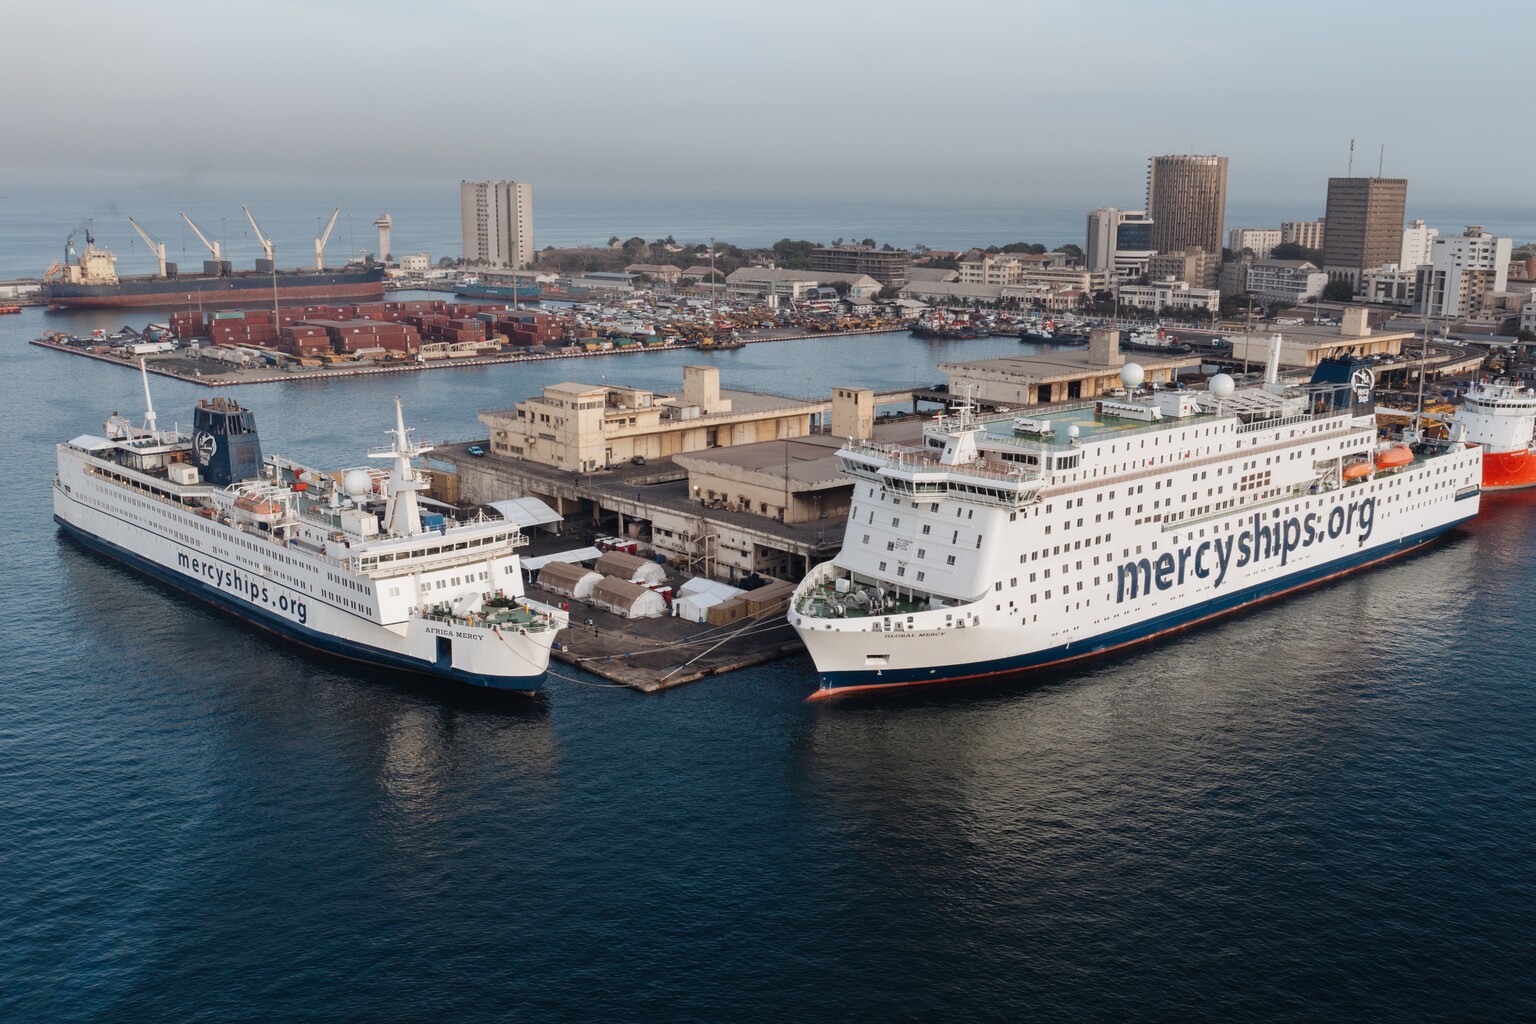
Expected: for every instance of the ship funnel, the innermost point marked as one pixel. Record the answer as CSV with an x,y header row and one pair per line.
x,y
225,442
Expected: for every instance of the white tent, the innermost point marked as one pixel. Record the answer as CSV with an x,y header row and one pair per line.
x,y
632,568
630,600
526,512
698,595
568,580
537,562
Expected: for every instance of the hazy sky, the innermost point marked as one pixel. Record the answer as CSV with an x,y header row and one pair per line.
x,y
973,99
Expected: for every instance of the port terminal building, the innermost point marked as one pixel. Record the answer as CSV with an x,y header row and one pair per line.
x,y
1061,376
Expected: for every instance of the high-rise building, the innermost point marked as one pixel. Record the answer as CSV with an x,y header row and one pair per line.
x,y
1461,269
1365,226
1306,233
498,223
1118,240
1418,243
1187,200
1260,241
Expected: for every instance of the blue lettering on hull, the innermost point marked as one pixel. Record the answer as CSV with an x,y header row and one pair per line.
x,y
222,594
1146,630
1262,540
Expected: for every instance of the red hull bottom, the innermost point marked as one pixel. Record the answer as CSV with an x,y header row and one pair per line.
x,y
1508,471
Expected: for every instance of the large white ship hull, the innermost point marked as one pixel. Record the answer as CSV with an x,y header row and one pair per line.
x,y
859,660
989,551
165,541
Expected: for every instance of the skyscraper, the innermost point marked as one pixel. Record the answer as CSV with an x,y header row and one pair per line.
x,y
498,223
1365,226
1187,201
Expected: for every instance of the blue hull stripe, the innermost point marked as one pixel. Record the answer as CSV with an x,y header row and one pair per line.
x,y
832,682
350,650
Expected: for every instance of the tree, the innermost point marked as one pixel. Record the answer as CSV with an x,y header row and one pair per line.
x,y
1294,251
612,241
793,254
868,243
1029,248
1338,291
1071,250
633,245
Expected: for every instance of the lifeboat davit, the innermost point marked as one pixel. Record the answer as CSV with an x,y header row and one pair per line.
x,y
1358,470
1391,456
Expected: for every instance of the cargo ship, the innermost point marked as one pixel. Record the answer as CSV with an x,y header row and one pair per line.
x,y
1000,545
347,563
520,291
92,282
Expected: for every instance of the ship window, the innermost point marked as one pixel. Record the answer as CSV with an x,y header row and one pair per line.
x,y
950,560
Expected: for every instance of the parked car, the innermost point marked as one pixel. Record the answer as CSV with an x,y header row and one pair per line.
x,y
477,451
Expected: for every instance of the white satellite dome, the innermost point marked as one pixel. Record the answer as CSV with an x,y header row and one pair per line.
x,y
1131,375
1221,386
356,483
1073,430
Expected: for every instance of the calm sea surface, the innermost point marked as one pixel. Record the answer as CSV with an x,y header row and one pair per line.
x,y
1322,810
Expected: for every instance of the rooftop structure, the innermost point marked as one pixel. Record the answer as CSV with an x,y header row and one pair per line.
x,y
1061,376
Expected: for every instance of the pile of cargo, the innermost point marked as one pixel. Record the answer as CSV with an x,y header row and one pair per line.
x,y
529,330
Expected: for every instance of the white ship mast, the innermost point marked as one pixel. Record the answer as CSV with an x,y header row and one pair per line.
x,y
149,404
402,516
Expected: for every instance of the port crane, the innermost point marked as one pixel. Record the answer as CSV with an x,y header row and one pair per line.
x,y
266,244
213,247
320,242
158,248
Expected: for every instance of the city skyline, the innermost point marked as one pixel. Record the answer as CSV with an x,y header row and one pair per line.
x,y
683,97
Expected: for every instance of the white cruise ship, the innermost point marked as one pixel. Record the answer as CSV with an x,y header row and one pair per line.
x,y
344,562
1002,544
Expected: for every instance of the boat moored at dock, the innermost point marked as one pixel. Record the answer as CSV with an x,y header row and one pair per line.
x,y
1000,545
345,562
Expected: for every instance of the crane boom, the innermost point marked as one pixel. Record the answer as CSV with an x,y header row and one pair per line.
x,y
324,236
213,247
266,244
158,248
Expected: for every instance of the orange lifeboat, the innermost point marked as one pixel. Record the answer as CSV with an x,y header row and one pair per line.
x,y
1393,455
258,506
1358,470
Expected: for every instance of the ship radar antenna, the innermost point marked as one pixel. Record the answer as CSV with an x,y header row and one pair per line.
x,y
149,404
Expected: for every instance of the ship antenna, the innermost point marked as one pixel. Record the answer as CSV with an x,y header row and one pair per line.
x,y
149,405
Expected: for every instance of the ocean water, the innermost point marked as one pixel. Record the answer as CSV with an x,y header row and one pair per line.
x,y
1320,810
36,219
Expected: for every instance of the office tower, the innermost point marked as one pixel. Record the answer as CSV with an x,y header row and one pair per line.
x,y
1461,270
1365,226
1118,240
498,223
1187,201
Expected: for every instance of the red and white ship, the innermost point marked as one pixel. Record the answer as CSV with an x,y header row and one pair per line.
x,y
1500,416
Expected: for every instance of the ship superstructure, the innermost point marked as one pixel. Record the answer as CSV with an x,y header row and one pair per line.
x,y
1500,416
1006,543
346,562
